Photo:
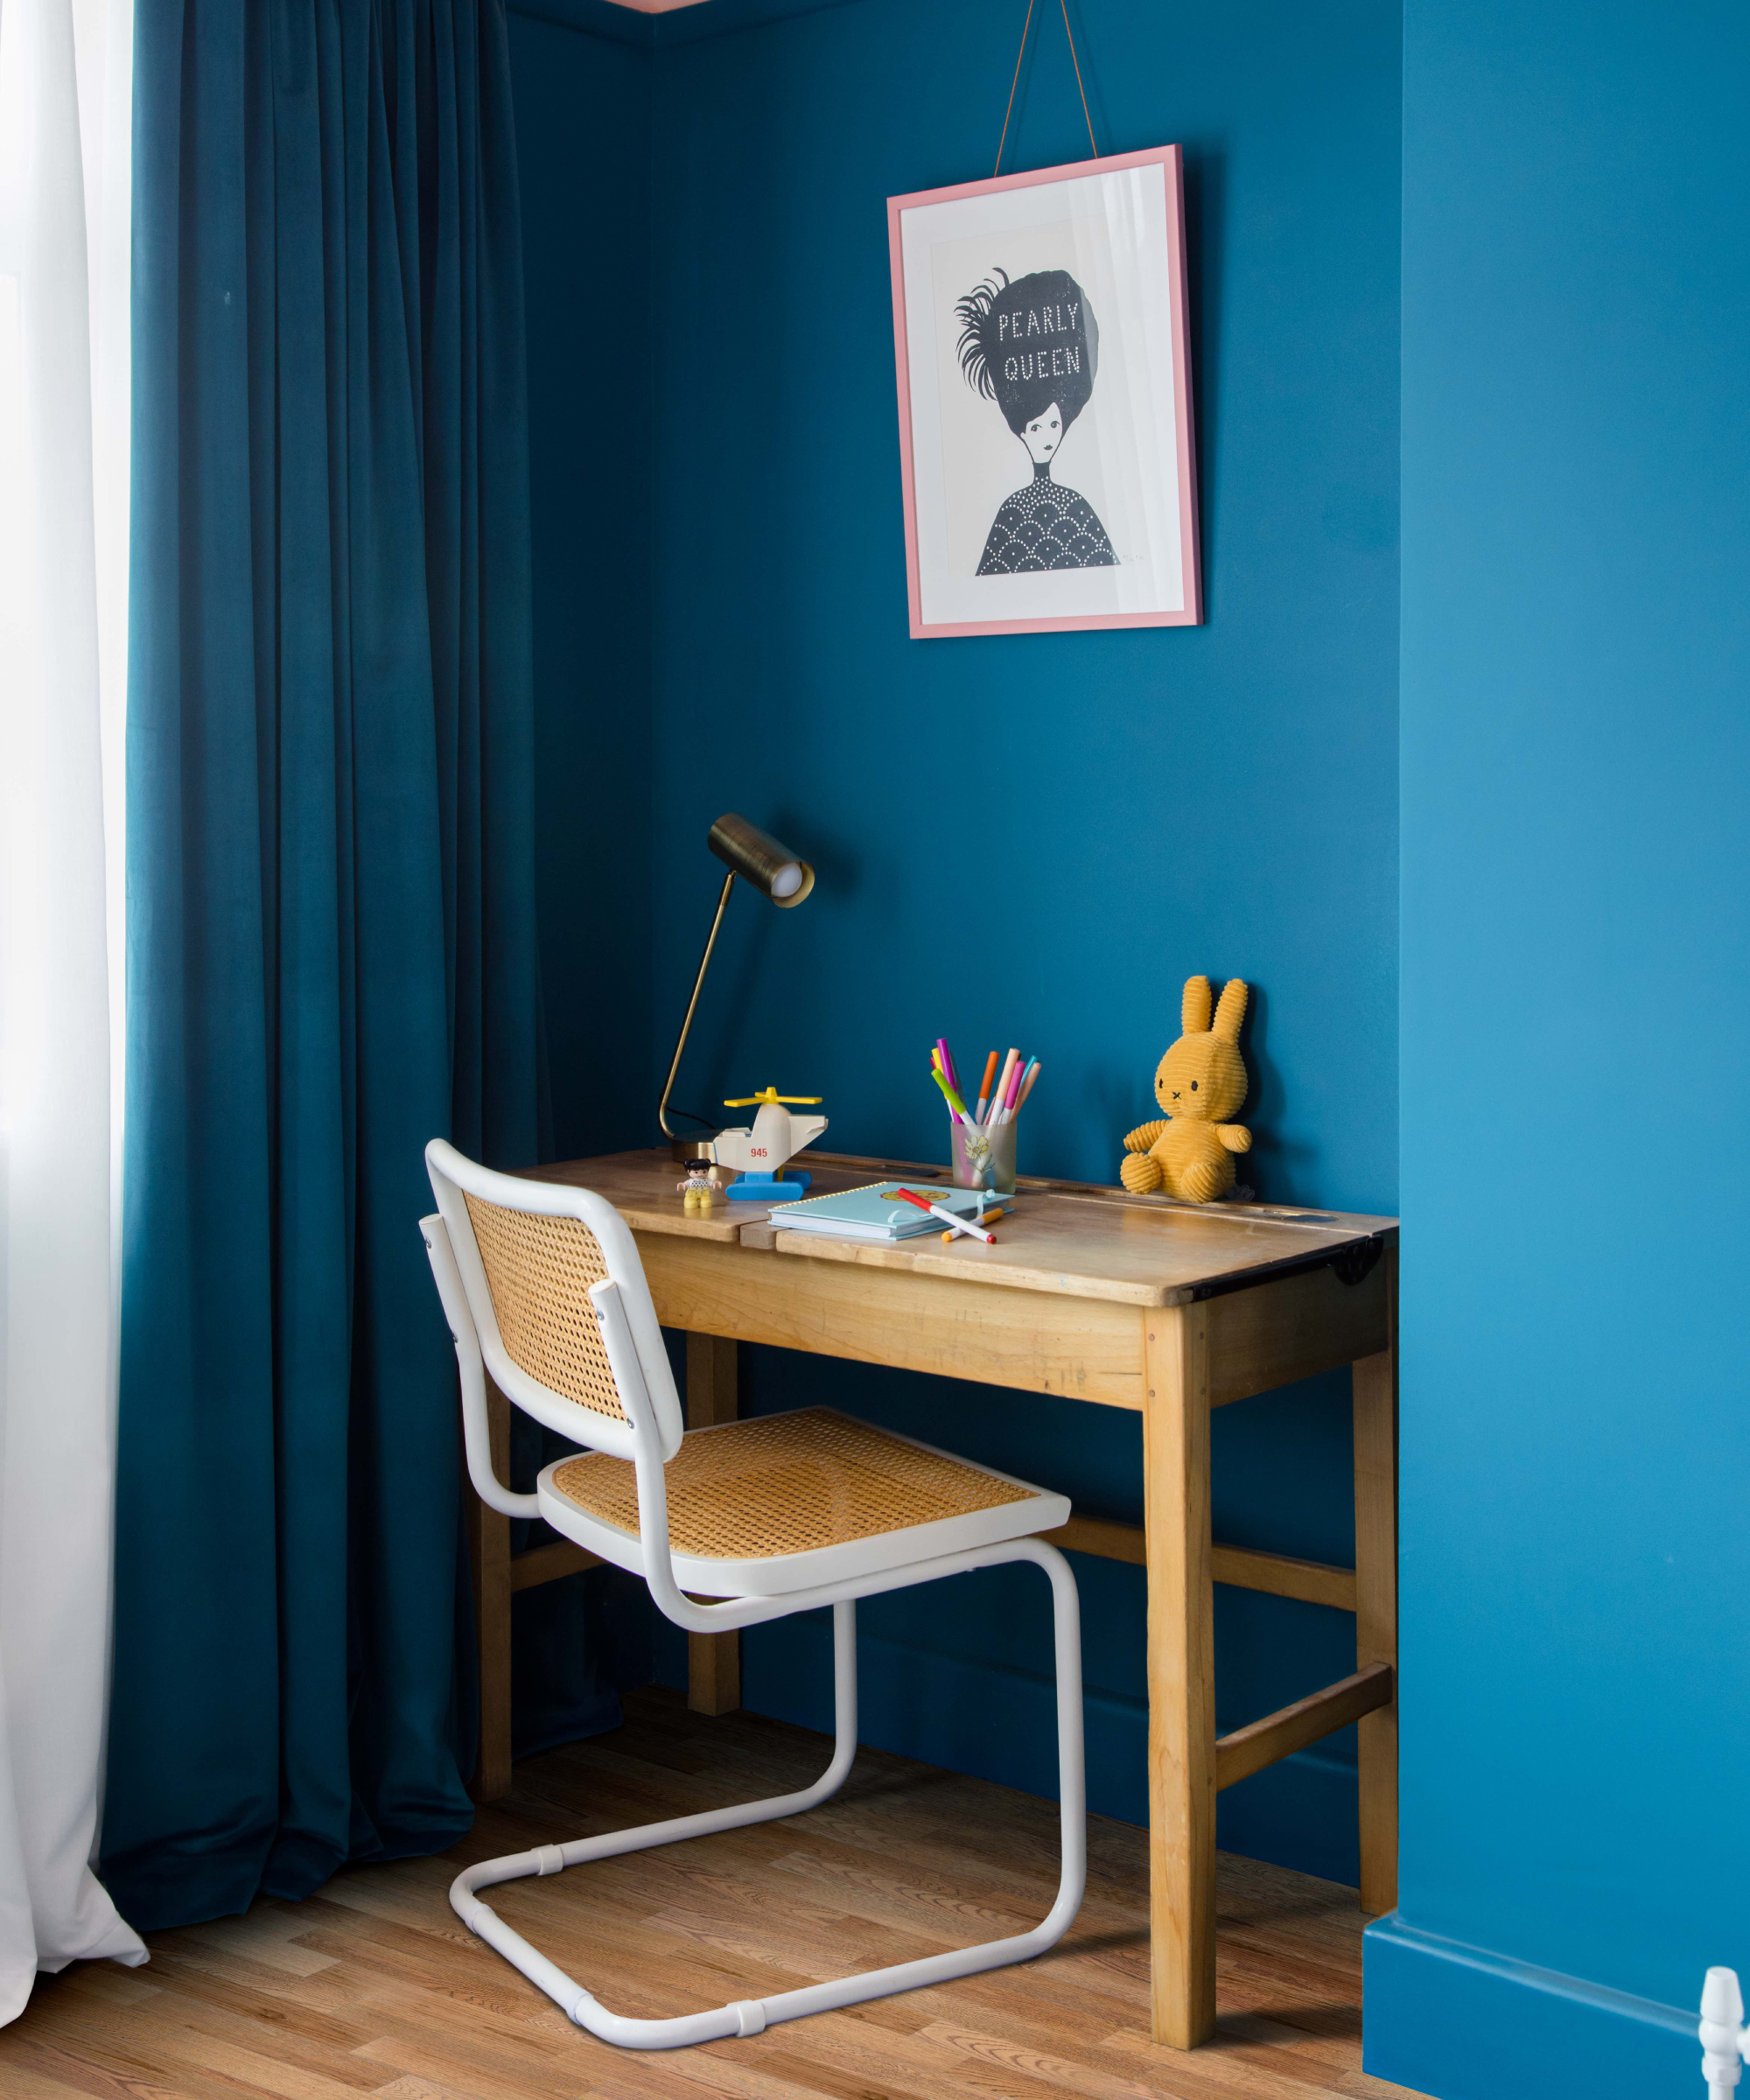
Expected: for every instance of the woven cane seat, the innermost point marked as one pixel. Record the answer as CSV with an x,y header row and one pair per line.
x,y
792,1483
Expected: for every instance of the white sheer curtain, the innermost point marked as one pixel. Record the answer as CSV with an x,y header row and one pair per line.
x,y
64,85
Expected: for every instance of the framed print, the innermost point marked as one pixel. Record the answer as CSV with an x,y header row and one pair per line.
x,y
1044,400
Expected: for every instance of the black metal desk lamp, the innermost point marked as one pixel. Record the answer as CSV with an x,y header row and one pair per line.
x,y
775,872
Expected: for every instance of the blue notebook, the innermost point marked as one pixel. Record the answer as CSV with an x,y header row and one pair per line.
x,y
874,1213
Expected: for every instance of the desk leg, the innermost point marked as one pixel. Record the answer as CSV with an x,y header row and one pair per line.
x,y
489,1565
1181,1676
1374,1380
713,1660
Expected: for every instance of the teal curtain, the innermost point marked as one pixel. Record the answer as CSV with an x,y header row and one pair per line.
x,y
331,923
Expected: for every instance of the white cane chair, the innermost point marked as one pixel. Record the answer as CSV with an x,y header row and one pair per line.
x,y
543,1286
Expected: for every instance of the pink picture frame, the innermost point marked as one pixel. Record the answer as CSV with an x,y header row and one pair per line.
x,y
1049,562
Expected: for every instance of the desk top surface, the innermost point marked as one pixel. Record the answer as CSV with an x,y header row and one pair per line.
x,y
1068,1238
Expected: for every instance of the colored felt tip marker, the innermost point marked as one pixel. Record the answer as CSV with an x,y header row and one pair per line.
x,y
1001,1108
1002,1092
956,1105
1026,1086
984,1086
948,1217
948,1065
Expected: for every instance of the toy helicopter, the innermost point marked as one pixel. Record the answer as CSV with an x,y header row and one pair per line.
x,y
758,1153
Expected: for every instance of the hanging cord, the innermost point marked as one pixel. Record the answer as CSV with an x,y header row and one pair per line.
x,y
1013,84
1080,90
1025,27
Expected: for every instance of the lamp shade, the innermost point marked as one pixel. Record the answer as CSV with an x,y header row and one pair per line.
x,y
757,857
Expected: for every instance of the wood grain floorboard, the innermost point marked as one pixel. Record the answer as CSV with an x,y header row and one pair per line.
x,y
374,1986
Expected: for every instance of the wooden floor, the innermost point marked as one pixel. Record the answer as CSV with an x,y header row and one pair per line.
x,y
374,1986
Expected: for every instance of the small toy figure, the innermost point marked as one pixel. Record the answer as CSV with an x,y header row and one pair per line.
x,y
698,1191
1200,1082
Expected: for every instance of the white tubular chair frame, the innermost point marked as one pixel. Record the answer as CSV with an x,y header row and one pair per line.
x,y
650,1437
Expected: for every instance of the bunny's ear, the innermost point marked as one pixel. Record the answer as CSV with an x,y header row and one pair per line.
x,y
1231,1011
1194,1014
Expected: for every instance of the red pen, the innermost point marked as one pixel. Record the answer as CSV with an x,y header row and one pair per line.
x,y
948,1217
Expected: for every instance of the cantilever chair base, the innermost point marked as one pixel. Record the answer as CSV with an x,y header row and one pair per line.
x,y
751,2016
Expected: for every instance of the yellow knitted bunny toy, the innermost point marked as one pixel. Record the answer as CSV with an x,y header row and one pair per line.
x,y
1200,1082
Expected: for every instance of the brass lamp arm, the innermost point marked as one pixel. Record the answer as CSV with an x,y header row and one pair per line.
x,y
681,1044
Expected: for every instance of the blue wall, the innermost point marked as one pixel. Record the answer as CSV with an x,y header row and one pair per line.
x,y
1576,1320
1162,802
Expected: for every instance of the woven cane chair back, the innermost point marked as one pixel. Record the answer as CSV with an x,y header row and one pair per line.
x,y
539,1271
528,1253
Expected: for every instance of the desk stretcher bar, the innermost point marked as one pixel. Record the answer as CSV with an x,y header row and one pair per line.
x,y
1293,1727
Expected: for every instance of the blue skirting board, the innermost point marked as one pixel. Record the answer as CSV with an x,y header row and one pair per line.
x,y
1462,2023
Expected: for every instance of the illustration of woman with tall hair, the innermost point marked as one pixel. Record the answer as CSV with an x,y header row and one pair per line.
x,y
1032,346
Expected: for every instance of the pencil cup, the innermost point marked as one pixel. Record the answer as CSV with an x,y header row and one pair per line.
x,y
983,1157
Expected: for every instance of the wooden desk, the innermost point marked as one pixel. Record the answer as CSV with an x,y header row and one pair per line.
x,y
1099,1295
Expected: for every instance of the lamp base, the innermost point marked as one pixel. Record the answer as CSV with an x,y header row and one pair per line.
x,y
683,1149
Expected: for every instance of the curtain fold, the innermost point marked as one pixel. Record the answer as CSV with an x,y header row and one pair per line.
x,y
63,450
331,929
